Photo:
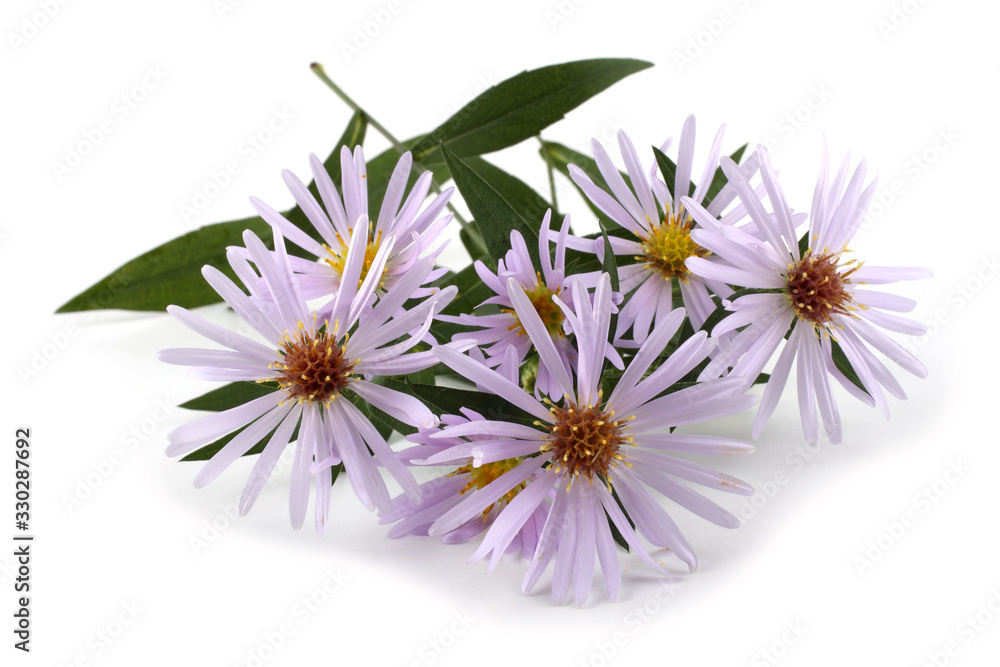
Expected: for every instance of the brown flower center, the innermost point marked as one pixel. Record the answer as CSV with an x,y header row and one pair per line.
x,y
817,287
585,439
313,368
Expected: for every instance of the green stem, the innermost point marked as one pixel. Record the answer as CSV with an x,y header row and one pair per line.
x,y
320,72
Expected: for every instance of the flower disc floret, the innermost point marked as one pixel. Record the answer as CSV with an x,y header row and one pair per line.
x,y
338,258
548,312
585,440
818,287
669,245
313,367
485,474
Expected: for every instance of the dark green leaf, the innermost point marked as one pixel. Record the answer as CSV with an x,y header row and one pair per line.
x,y
382,422
843,365
610,267
521,196
229,396
720,311
450,401
669,171
171,273
803,244
495,216
719,179
615,533
561,157
471,292
521,107
211,449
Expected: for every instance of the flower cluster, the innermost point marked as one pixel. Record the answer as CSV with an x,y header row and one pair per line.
x,y
581,368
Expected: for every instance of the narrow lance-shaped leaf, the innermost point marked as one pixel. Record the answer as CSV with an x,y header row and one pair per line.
x,y
495,216
610,267
238,393
561,157
843,365
171,273
669,170
471,292
210,450
522,106
719,179
521,196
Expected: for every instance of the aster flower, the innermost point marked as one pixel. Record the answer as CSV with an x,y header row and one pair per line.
x,y
662,228
414,226
316,364
502,331
820,293
586,446
442,493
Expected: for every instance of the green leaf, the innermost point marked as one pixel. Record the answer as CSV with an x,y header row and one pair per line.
x,y
521,196
495,216
471,292
521,107
610,267
450,401
843,365
382,422
720,311
719,179
230,396
615,533
379,172
669,170
211,449
803,244
561,157
171,273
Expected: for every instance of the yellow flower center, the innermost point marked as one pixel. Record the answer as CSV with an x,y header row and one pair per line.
x,y
548,312
669,244
338,256
485,474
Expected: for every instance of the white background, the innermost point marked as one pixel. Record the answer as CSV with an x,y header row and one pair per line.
x,y
126,548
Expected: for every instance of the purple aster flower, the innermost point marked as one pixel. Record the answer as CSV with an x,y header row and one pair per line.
x,y
442,493
314,363
414,225
619,441
662,228
820,293
504,330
